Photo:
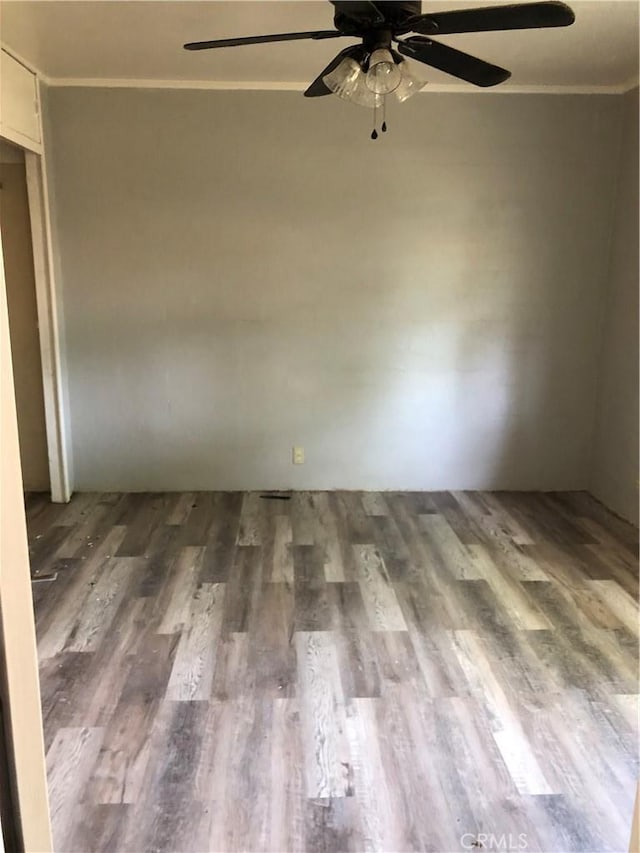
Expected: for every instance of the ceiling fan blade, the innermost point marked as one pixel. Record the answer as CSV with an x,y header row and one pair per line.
x,y
318,87
516,17
207,45
453,61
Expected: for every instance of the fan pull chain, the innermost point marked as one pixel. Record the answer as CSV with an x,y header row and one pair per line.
x,y
384,114
374,132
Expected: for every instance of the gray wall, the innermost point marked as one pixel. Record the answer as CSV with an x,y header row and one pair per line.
x,y
246,271
615,459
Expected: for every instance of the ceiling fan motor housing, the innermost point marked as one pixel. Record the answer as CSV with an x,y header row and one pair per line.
x,y
396,14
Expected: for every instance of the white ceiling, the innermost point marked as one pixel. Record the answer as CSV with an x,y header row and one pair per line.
x,y
142,40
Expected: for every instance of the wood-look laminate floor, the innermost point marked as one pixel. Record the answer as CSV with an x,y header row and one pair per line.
x,y
337,672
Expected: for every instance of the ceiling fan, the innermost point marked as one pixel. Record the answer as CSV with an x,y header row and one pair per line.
x,y
365,73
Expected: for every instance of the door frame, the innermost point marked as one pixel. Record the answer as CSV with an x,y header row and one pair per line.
x,y
48,304
48,328
25,807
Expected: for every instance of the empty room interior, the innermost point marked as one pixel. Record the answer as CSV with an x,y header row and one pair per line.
x,y
319,498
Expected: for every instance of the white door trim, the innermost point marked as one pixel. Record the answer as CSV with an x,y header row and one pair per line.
x,y
19,684
48,327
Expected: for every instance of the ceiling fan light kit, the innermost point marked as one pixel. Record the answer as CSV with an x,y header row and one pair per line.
x,y
383,76
366,73
348,82
410,84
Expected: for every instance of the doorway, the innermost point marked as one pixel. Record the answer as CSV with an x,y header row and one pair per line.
x,y
17,246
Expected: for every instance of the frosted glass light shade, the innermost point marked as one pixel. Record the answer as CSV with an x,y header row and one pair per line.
x,y
383,76
347,81
410,83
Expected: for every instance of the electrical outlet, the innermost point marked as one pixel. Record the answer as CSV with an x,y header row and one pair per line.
x,y
297,455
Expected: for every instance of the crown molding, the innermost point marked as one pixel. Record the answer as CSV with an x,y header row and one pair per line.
x,y
631,84
291,86
19,58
